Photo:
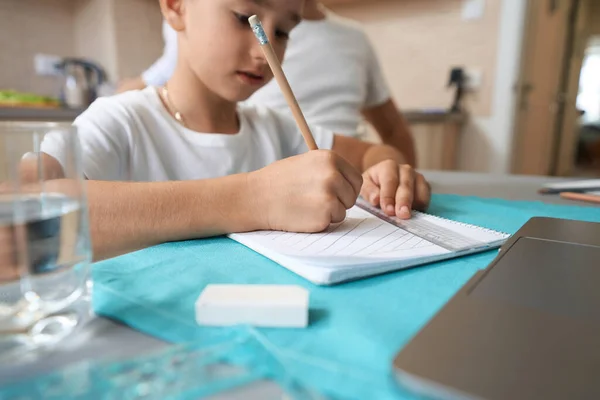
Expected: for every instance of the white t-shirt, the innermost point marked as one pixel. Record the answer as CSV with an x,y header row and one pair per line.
x,y
162,69
334,73
132,137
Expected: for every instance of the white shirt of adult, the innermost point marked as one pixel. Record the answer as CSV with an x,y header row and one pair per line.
x,y
160,72
132,137
334,73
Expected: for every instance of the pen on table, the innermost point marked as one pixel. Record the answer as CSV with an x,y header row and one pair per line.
x,y
573,186
567,189
282,81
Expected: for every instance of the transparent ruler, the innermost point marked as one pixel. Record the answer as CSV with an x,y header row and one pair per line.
x,y
420,225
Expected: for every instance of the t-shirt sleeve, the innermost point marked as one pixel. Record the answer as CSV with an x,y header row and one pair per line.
x,y
104,143
292,141
162,69
377,89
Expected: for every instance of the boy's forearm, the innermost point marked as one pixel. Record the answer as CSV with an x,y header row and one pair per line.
x,y
402,139
378,153
392,128
127,216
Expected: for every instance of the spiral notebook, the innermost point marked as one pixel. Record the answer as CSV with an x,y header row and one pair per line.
x,y
369,243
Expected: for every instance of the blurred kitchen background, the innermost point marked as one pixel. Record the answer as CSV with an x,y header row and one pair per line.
x,y
528,70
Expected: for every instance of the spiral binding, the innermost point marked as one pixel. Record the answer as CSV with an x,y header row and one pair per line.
x,y
481,228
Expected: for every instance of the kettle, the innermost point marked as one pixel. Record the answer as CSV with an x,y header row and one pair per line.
x,y
82,78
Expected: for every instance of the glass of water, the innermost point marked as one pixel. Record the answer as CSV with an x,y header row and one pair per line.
x,y
45,249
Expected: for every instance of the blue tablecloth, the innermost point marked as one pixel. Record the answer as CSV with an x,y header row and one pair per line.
x,y
355,328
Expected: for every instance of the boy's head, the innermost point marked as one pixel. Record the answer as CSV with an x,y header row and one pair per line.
x,y
217,44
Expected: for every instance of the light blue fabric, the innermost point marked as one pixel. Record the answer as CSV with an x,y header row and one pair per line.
x,y
355,328
216,364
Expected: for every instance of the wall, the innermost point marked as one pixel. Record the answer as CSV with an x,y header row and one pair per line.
x,y
594,44
101,30
418,41
497,129
106,32
29,27
140,40
589,83
94,33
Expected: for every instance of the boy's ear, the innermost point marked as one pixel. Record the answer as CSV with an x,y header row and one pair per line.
x,y
173,11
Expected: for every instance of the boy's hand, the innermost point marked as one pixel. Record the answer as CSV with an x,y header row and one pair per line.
x,y
395,188
305,193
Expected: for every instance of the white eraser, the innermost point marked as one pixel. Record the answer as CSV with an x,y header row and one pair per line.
x,y
276,306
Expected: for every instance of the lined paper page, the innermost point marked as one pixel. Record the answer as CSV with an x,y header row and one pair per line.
x,y
362,245
360,236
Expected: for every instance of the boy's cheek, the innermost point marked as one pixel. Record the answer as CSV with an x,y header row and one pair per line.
x,y
268,78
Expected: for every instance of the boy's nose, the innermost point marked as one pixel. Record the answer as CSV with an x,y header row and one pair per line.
x,y
256,52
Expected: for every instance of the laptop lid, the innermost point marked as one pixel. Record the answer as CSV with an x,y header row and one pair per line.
x,y
526,327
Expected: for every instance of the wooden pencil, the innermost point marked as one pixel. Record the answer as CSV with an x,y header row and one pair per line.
x,y
590,198
282,82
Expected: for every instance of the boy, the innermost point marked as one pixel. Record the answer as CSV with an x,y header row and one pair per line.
x,y
156,174
334,72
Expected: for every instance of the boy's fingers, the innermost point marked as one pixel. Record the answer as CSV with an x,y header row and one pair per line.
x,y
405,192
370,191
338,214
345,193
422,193
351,174
388,185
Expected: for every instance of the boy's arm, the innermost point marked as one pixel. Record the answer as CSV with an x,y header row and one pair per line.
x,y
127,216
392,128
363,155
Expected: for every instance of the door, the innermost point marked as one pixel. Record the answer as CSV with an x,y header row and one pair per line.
x,y
540,101
569,129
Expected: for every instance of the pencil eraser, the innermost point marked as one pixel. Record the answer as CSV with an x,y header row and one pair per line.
x,y
275,306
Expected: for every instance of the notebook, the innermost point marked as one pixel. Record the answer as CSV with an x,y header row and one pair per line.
x,y
369,243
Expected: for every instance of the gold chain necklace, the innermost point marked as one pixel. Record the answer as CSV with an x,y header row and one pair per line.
x,y
172,109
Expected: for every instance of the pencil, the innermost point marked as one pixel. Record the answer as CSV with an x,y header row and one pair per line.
x,y
591,198
282,81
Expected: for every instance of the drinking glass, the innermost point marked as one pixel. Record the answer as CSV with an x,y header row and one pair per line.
x,y
45,249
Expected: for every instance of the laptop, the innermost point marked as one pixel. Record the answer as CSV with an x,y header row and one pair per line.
x,y
526,327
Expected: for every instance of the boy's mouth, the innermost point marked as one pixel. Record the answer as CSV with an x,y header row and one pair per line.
x,y
251,78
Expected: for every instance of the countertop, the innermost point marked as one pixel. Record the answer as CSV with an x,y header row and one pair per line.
x,y
38,114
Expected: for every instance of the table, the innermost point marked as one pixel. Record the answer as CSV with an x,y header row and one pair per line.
x,y
105,338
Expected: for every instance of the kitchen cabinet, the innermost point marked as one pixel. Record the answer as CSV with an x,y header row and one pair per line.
x,y
437,138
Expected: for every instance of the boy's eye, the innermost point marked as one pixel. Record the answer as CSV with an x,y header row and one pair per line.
x,y
282,35
243,19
